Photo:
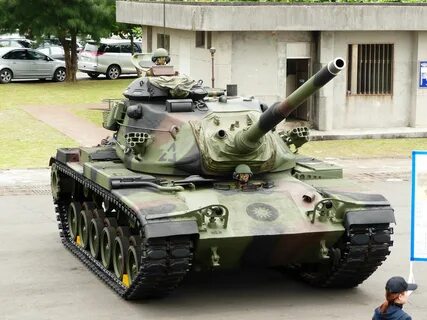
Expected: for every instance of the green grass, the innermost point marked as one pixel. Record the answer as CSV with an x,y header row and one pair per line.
x,y
94,116
26,142
369,148
59,94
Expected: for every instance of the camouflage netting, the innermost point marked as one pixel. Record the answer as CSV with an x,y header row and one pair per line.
x,y
178,86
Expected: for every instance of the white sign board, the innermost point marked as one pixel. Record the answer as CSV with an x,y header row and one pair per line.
x,y
419,206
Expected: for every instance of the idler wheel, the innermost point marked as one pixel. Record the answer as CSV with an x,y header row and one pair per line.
x,y
107,244
54,182
133,258
121,247
95,233
73,219
85,217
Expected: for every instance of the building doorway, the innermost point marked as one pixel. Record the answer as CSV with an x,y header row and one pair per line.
x,y
297,72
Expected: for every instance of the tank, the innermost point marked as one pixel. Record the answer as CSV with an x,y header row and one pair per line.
x,y
195,180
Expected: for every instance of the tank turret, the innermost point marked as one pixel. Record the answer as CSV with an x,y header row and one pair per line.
x,y
167,127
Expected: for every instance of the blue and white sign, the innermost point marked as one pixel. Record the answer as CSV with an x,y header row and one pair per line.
x,y
419,206
423,74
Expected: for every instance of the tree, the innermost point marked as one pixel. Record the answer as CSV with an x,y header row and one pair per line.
x,y
65,19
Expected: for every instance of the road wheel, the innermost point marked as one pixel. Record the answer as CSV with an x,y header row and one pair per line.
x,y
133,257
107,244
111,222
6,76
121,247
99,213
95,232
113,72
59,75
73,219
93,75
85,218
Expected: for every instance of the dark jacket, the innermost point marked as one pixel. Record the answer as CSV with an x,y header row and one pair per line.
x,y
394,312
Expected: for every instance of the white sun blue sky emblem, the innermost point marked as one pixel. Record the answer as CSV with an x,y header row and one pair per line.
x,y
262,212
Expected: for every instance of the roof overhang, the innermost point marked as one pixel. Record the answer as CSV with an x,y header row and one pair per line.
x,y
274,16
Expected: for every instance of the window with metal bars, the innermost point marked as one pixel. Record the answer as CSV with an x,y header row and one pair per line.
x,y
370,69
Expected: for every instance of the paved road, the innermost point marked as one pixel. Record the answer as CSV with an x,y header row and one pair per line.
x,y
41,280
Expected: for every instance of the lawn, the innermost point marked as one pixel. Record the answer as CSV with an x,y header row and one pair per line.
x,y
26,142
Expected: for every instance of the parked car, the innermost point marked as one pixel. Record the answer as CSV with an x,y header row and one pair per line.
x,y
24,63
110,57
56,52
18,43
54,42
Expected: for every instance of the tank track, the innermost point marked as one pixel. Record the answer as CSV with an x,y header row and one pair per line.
x,y
164,261
361,251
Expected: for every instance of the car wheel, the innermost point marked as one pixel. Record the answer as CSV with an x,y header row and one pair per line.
x,y
6,76
59,75
93,75
113,72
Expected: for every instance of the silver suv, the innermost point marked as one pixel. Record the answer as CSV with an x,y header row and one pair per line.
x,y
110,57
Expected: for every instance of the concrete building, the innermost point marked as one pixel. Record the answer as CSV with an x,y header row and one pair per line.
x,y
271,49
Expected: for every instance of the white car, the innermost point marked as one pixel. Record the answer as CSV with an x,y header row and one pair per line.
x,y
24,63
55,52
111,57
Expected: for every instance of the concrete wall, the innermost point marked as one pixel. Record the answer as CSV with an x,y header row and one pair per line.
x,y
254,64
357,111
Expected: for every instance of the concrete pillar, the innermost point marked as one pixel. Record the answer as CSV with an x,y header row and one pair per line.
x,y
326,94
418,116
281,69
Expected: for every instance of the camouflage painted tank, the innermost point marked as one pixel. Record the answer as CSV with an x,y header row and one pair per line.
x,y
189,182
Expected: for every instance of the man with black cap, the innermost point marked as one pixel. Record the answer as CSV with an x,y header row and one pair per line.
x,y
396,295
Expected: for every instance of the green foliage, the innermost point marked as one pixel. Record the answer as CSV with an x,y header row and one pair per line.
x,y
60,18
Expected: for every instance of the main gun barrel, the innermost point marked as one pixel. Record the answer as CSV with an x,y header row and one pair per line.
x,y
247,140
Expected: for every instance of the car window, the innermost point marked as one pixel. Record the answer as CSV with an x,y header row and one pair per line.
x,y
126,48
16,55
4,43
110,48
33,55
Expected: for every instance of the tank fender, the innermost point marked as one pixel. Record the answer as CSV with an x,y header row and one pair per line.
x,y
369,216
157,229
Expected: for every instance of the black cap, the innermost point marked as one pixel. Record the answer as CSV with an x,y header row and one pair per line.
x,y
398,284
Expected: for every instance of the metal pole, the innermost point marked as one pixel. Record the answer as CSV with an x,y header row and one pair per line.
x,y
164,23
212,51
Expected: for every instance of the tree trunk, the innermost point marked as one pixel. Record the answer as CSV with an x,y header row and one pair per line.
x,y
70,57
